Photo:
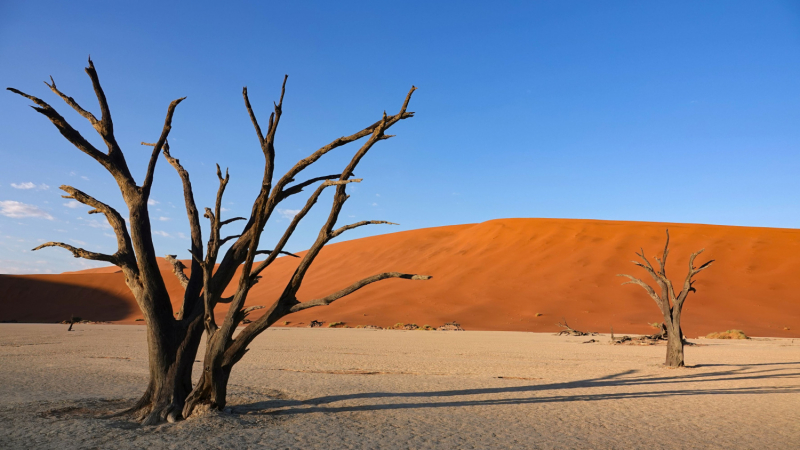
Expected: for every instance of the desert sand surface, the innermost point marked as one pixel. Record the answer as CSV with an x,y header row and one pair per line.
x,y
496,275
339,388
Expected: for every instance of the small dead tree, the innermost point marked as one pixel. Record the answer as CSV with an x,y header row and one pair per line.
x,y
671,305
173,339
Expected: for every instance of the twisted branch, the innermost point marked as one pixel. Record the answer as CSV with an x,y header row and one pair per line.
x,y
81,253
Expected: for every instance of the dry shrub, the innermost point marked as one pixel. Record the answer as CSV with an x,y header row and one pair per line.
x,y
451,326
730,334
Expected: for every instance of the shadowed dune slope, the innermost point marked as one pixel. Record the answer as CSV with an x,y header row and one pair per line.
x,y
498,275
53,298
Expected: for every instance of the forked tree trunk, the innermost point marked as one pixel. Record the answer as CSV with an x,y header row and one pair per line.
x,y
171,354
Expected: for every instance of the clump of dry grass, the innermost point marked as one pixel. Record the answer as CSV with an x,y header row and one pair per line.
x,y
730,334
335,324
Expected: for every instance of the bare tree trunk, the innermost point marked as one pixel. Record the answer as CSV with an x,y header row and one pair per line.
x,y
171,361
674,348
212,388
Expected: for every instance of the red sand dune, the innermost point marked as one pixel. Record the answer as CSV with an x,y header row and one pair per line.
x,y
495,275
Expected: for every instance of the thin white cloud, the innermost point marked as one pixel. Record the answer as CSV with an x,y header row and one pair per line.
x,y
374,204
73,204
75,241
28,185
19,210
181,235
24,267
152,202
164,219
95,223
288,213
85,177
161,233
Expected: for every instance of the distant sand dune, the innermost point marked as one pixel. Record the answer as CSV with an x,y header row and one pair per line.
x,y
495,275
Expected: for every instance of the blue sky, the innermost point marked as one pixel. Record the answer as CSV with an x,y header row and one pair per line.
x,y
647,111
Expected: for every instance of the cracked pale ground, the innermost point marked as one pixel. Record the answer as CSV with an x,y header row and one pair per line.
x,y
320,388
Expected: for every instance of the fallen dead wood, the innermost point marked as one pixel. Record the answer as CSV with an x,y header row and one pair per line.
x,y
650,339
569,331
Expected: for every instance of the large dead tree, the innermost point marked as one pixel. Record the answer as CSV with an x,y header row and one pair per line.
x,y
173,339
671,305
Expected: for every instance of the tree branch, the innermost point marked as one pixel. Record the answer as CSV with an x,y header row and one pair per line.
x,y
71,102
224,240
296,220
384,123
225,222
253,117
269,252
194,283
359,224
151,166
688,282
354,287
297,188
663,261
66,130
125,254
81,253
105,112
178,268
633,280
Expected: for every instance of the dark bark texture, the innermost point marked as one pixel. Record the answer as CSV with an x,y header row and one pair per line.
x,y
670,304
174,337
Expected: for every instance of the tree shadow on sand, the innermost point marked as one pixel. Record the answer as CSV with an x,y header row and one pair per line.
x,y
500,395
